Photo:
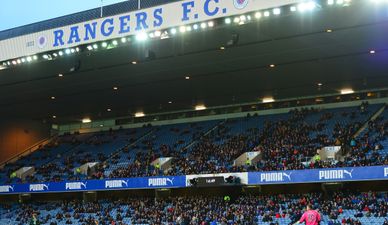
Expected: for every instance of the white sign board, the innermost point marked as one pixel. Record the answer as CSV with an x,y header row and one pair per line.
x,y
150,19
242,176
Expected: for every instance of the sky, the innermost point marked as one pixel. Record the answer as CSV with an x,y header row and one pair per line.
x,y
15,13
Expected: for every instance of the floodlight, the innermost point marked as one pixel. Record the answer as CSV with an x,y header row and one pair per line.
x,y
276,11
139,114
173,31
268,100
347,91
182,29
86,120
200,107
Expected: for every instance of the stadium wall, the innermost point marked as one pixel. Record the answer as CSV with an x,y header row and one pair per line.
x,y
18,135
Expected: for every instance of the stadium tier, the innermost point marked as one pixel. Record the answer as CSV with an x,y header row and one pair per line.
x,y
282,209
195,112
287,141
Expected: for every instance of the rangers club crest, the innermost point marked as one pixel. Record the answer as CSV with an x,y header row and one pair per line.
x,y
240,4
42,41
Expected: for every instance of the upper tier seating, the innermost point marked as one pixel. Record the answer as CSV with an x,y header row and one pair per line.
x,y
285,141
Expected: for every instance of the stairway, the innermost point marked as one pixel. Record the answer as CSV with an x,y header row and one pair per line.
x,y
365,125
130,144
204,135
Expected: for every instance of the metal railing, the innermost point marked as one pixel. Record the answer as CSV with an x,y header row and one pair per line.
x,y
27,151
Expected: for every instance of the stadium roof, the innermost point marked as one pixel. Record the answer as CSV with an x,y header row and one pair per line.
x,y
338,47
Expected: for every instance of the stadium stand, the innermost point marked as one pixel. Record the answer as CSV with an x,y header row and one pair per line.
x,y
152,110
285,141
165,141
375,136
55,149
345,208
59,162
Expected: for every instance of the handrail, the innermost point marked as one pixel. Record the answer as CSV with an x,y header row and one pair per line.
x,y
27,151
366,124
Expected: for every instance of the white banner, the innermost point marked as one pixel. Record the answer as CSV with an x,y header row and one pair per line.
x,y
156,18
242,176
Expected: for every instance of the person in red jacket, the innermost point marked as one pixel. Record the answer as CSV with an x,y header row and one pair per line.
x,y
310,217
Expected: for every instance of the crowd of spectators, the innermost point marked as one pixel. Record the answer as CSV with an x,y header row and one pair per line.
x,y
207,210
289,143
285,145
